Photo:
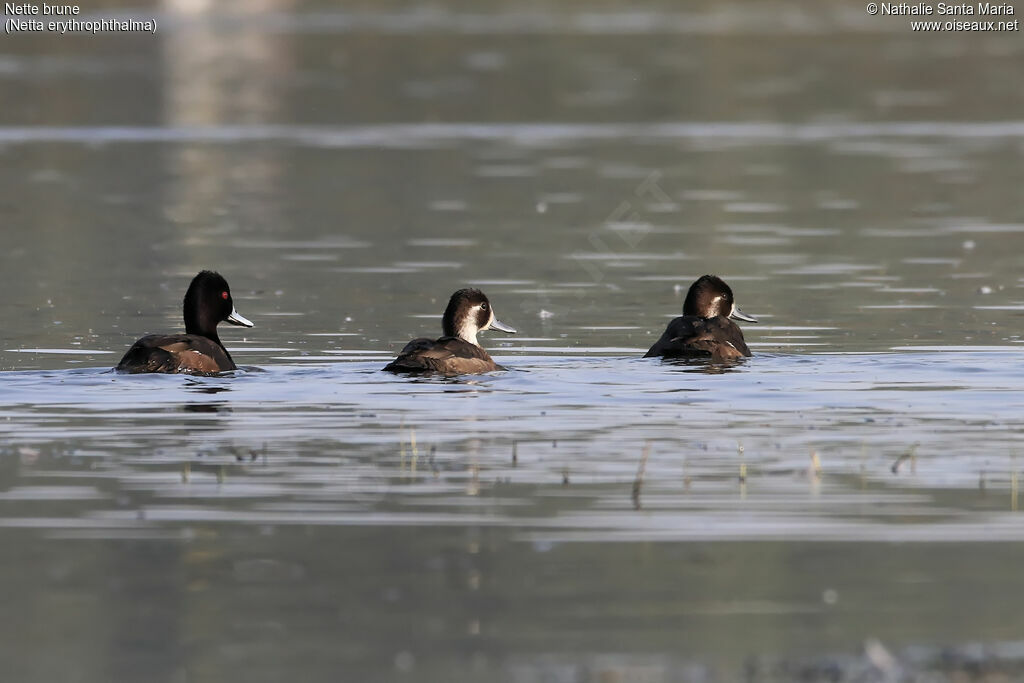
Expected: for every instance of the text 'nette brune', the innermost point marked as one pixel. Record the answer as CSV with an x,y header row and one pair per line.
x,y
28,8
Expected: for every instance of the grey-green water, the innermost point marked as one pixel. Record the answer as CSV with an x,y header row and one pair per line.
x,y
842,506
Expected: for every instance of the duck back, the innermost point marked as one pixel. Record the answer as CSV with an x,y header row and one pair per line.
x,y
184,353
447,356
693,336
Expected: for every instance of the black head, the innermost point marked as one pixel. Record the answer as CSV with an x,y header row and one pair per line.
x,y
710,297
470,312
207,303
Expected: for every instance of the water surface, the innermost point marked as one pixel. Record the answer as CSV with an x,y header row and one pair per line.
x,y
842,506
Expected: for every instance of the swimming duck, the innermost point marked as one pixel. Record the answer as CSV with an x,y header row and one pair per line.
x,y
199,351
705,328
458,352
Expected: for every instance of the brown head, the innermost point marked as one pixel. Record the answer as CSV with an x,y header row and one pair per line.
x,y
710,297
470,312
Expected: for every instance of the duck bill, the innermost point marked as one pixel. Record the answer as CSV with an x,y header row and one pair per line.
x,y
498,325
237,319
737,314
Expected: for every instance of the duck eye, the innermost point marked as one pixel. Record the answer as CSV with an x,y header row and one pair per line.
x,y
224,295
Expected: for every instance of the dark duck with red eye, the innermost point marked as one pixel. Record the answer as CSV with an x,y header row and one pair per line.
x,y
457,352
705,328
199,351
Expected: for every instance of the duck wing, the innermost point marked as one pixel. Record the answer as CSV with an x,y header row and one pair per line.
x,y
447,355
689,335
174,353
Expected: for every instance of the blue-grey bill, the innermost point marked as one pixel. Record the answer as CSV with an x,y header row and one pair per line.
x,y
236,319
498,325
737,314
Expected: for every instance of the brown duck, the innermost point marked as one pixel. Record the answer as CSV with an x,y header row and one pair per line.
x,y
705,328
199,351
457,352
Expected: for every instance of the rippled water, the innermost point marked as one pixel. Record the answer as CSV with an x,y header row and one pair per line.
x,y
841,506
572,518
746,452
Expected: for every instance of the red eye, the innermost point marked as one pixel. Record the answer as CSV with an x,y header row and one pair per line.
x,y
224,295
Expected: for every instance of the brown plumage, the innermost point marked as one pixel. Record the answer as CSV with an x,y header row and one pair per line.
x,y
705,328
188,353
457,352
446,356
199,351
692,336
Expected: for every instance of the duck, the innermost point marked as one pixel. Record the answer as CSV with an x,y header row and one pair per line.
x,y
706,328
457,352
199,351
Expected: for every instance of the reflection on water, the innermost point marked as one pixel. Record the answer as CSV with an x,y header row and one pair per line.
x,y
516,521
842,506
207,407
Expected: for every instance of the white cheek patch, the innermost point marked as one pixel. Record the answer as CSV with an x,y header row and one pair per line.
x,y
714,303
468,329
